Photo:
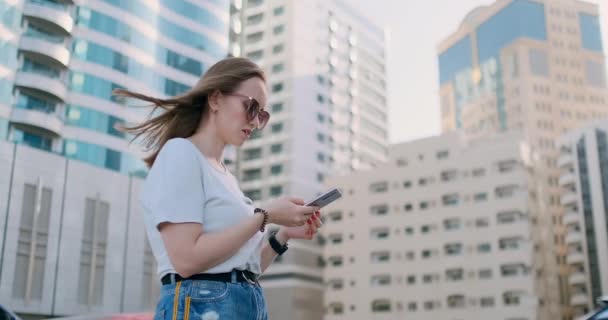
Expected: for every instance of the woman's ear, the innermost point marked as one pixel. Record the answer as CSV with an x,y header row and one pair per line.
x,y
214,101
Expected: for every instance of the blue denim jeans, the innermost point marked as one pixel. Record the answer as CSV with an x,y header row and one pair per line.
x,y
211,300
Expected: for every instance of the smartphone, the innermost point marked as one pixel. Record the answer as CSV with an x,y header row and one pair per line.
x,y
325,199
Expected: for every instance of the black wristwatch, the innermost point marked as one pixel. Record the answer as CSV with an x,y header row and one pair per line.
x,y
276,246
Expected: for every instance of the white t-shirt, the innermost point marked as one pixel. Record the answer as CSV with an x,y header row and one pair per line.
x,y
183,186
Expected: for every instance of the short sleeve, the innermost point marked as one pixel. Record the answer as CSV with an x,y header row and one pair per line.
x,y
173,190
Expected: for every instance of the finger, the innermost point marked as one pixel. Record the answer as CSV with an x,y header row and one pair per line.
x,y
308,211
317,223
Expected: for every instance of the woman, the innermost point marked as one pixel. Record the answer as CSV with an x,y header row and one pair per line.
x,y
206,237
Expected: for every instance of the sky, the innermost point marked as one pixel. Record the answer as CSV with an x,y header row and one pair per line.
x,y
415,29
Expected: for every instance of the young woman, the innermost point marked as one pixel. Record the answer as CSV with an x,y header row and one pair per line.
x,y
207,238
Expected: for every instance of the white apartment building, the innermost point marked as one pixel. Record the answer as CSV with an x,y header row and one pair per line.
x,y
442,231
584,165
70,237
326,70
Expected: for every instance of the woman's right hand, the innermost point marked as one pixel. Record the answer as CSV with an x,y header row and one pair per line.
x,y
289,212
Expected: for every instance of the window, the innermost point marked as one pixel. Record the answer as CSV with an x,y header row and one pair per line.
x,y
407,184
335,238
409,231
335,216
451,224
94,242
513,269
507,166
456,301
410,255
539,63
276,191
411,279
276,68
378,187
320,157
254,195
336,308
277,49
276,128
25,282
336,284
320,98
255,19
481,196
510,243
320,137
336,261
380,233
381,305
278,11
507,217
424,205
511,298
252,174
482,222
479,172
380,256
486,302
484,247
255,37
411,306
379,210
276,148
278,29
485,273
453,249
277,107
277,87
251,154
381,280
443,154
450,199
425,228
408,207
449,175
454,274
505,191
276,169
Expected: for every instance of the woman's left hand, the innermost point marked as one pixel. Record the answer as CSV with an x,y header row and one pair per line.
x,y
306,231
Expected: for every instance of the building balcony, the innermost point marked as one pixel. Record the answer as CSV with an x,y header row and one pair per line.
x,y
46,48
565,160
571,217
40,120
567,179
42,82
575,258
570,198
50,12
577,278
579,299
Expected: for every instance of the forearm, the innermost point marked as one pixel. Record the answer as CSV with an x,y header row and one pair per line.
x,y
211,249
268,254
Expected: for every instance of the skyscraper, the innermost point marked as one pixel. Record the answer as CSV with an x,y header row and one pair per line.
x,y
441,231
72,238
584,164
536,66
326,68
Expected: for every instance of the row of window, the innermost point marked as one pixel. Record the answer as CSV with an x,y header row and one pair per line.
x,y
256,194
449,249
103,23
455,301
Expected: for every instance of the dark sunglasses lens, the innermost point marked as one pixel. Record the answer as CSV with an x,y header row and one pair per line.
x,y
264,116
252,109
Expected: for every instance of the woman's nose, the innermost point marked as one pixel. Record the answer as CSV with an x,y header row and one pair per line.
x,y
256,121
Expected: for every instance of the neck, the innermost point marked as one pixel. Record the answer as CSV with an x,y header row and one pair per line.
x,y
207,140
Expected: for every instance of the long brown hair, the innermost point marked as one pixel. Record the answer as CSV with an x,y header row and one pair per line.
x,y
184,112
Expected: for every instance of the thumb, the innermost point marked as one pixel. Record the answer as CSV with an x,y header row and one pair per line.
x,y
297,201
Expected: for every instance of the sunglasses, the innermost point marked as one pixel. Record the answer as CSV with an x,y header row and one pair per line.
x,y
253,109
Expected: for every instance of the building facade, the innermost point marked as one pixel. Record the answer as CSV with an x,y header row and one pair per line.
x,y
584,179
536,66
71,240
326,70
442,231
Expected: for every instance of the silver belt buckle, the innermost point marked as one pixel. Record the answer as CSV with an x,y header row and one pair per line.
x,y
248,280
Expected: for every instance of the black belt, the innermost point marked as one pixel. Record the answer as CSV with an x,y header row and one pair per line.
x,y
241,276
